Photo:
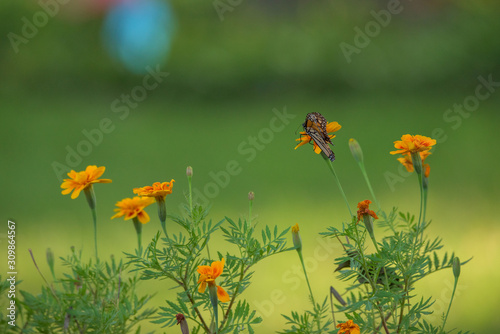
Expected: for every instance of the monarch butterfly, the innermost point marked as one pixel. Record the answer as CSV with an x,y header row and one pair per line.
x,y
315,127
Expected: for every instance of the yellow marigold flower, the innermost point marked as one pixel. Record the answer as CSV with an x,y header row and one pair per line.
x,y
412,144
348,327
81,180
156,190
208,274
408,163
364,210
133,207
306,139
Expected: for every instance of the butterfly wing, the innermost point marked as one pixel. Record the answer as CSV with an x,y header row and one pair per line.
x,y
317,122
320,141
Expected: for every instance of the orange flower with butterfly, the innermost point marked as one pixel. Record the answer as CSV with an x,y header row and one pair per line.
x,y
317,129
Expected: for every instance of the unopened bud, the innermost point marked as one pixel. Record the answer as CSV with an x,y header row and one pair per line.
x,y
337,296
417,162
50,260
456,267
181,320
189,171
356,151
251,196
297,241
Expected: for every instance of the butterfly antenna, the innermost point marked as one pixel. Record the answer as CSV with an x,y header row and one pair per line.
x,y
297,129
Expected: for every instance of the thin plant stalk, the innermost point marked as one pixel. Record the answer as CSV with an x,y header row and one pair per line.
x,y
456,272
250,204
90,195
138,230
309,286
190,199
189,174
43,277
162,213
451,301
330,165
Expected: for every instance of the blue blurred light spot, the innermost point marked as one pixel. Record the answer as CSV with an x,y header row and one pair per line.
x,y
138,33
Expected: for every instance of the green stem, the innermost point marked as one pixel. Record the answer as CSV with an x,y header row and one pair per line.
x,y
190,195
417,165
250,212
94,217
138,229
330,165
208,248
90,195
162,214
309,286
421,214
331,307
451,301
368,277
43,277
367,220
368,183
425,191
212,289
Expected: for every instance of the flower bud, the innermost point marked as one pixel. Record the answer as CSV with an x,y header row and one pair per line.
x,y
356,151
251,196
417,162
456,267
50,260
297,241
337,296
90,195
189,171
181,320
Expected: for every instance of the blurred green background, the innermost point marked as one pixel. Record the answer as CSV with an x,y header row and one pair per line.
x,y
228,80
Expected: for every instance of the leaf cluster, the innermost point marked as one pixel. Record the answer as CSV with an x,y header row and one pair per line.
x,y
89,298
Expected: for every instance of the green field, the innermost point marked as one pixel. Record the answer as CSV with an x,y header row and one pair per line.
x,y
232,104
164,134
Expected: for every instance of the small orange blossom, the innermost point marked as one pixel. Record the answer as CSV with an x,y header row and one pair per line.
x,y
412,144
364,210
158,189
133,207
348,327
81,180
208,274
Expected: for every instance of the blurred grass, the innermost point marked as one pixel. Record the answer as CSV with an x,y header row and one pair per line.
x,y
163,135
226,79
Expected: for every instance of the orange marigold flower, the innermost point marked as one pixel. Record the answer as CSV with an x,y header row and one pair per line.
x,y
408,163
348,327
306,139
133,207
208,274
81,180
364,210
156,190
409,144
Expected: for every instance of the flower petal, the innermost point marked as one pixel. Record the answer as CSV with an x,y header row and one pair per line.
x,y
222,294
76,192
217,267
143,217
202,287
